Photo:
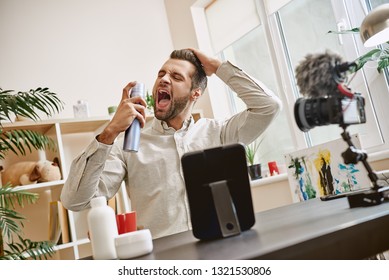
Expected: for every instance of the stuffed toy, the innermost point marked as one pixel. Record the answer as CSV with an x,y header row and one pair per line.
x,y
31,172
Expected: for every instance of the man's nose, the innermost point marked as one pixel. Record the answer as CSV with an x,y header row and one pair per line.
x,y
165,78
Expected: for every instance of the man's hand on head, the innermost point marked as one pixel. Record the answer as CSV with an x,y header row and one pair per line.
x,y
210,64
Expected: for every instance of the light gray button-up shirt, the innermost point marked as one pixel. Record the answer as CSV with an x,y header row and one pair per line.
x,y
153,176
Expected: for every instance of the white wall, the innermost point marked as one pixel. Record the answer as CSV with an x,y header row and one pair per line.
x,y
89,49
85,49
183,35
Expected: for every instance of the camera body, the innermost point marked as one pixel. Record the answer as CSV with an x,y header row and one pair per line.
x,y
334,109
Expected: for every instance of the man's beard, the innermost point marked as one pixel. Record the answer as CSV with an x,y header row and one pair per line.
x,y
176,107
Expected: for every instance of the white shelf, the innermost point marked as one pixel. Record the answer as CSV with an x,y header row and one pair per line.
x,y
41,186
70,125
71,137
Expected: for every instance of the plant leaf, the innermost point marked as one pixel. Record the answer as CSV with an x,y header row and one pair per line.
x,y
27,248
17,141
26,103
353,30
369,56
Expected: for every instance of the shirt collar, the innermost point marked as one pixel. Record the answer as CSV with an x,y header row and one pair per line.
x,y
162,127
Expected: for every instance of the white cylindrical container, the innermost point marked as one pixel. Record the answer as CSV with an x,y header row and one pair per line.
x,y
102,229
134,244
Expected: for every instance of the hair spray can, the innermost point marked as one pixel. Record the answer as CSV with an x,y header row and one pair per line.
x,y
132,134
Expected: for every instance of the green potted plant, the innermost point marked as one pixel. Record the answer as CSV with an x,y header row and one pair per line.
x,y
25,104
376,54
150,101
254,168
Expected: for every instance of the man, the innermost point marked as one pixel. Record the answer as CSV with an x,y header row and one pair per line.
x,y
153,175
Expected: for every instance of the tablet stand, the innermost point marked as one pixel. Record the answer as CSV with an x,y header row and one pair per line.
x,y
377,194
218,191
225,208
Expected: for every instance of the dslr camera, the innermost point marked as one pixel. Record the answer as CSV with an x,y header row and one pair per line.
x,y
327,100
334,109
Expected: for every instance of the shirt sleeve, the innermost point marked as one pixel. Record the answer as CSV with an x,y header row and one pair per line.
x,y
87,174
262,106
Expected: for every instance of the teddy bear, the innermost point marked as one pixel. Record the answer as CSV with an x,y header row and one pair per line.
x,y
31,172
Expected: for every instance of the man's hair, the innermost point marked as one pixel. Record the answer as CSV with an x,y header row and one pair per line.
x,y
199,79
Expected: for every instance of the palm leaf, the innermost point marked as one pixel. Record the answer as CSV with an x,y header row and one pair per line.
x,y
9,195
26,103
10,220
27,248
17,141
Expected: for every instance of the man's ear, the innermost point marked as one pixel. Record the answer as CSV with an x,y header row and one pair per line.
x,y
196,93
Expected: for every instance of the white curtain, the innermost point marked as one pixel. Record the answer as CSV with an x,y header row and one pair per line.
x,y
228,20
273,6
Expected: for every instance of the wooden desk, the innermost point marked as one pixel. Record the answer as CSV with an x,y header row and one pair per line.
x,y
313,229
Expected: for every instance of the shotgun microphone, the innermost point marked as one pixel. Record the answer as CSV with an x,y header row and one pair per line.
x,y
318,75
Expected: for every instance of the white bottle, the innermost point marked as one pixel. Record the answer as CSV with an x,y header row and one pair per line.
x,y
81,109
102,229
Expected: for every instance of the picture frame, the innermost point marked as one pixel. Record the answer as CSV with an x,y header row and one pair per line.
x,y
320,171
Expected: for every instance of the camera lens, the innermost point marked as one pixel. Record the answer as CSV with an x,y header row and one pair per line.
x,y
312,112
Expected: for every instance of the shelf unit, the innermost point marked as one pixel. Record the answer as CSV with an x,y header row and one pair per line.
x,y
71,136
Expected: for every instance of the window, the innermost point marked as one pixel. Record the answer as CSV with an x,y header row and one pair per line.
x,y
271,51
376,3
252,54
309,21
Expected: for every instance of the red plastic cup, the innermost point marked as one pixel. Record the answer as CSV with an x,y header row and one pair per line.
x,y
273,168
126,222
120,221
130,224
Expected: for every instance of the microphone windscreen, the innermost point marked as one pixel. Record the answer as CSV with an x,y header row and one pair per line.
x,y
316,74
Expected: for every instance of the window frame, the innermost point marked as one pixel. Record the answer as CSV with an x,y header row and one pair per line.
x,y
219,97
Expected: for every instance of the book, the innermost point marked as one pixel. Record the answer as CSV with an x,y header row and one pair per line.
x,y
58,223
112,203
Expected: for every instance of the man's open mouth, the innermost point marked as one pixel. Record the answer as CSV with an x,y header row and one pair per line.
x,y
163,98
